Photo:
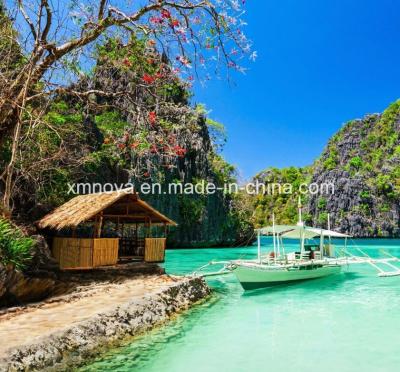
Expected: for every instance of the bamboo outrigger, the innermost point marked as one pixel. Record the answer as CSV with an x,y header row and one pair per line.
x,y
81,238
311,261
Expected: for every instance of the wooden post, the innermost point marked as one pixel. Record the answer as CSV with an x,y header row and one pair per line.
x,y
136,235
149,227
99,225
95,226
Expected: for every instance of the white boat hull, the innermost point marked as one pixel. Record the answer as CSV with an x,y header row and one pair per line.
x,y
252,277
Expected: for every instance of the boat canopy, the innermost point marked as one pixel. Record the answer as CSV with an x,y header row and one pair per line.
x,y
299,231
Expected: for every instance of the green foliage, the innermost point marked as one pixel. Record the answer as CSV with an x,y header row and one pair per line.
x,y
365,194
365,209
331,162
191,208
321,203
384,207
111,124
283,205
217,133
356,162
62,132
112,50
368,142
382,183
11,58
323,218
15,248
224,172
239,218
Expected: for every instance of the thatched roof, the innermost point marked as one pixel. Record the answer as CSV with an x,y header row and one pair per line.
x,y
122,205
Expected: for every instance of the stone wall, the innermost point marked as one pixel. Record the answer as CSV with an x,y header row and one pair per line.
x,y
75,345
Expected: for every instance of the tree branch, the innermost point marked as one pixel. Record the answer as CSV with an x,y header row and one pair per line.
x,y
27,19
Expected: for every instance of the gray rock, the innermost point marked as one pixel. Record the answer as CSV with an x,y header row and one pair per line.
x,y
73,346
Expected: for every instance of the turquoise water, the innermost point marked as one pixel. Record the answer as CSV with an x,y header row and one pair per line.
x,y
347,322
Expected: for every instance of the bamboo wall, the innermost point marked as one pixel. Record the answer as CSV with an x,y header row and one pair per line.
x,y
154,250
105,251
77,253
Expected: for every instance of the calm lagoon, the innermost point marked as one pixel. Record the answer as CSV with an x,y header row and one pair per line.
x,y
347,322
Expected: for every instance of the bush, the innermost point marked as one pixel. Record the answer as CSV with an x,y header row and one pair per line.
x,y
15,248
321,203
383,183
365,195
329,164
323,218
356,162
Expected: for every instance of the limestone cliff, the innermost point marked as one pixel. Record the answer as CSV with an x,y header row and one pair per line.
x,y
363,162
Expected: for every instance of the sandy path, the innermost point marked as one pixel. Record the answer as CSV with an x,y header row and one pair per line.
x,y
27,326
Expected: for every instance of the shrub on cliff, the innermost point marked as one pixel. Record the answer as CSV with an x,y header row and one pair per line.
x,y
15,248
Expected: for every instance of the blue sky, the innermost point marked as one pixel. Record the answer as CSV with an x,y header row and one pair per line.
x,y
321,63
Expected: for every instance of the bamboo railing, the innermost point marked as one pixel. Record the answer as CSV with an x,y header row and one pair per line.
x,y
85,253
154,250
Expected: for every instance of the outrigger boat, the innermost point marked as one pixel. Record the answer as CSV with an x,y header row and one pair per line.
x,y
311,261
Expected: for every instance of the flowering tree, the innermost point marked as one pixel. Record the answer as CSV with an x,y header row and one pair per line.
x,y
57,46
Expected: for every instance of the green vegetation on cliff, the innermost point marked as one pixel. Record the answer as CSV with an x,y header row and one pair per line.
x,y
283,205
362,161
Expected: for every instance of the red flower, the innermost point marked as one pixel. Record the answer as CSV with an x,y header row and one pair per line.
x,y
148,79
153,149
121,146
146,174
127,62
174,23
134,145
165,13
156,20
180,151
152,117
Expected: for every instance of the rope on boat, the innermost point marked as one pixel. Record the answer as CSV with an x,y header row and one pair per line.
x,y
224,270
371,261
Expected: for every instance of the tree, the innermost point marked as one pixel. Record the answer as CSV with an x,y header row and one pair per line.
x,y
57,44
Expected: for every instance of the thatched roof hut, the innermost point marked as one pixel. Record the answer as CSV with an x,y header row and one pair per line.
x,y
120,207
112,205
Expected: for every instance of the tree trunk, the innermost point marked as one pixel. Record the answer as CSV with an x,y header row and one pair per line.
x,y
9,173
11,166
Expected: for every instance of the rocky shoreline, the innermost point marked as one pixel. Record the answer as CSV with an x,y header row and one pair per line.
x,y
74,345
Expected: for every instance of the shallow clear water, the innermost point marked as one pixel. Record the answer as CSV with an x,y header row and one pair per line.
x,y
347,322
